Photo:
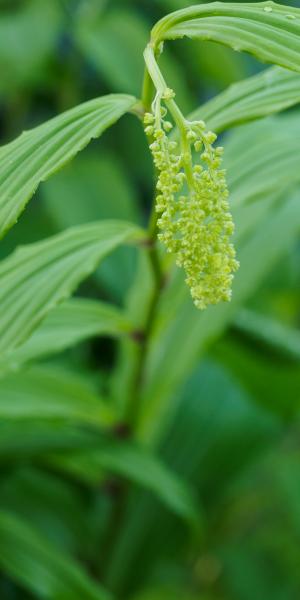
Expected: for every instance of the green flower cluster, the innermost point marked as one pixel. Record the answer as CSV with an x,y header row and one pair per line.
x,y
192,202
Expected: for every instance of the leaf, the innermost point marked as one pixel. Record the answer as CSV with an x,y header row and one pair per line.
x,y
67,325
215,419
269,92
78,194
261,159
56,507
271,383
194,332
40,393
35,278
217,434
38,565
138,465
86,184
23,438
38,153
269,332
267,30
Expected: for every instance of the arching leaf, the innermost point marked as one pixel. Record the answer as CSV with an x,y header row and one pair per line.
x,y
267,30
38,153
259,96
37,277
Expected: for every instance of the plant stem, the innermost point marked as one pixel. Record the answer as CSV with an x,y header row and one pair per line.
x,y
147,91
141,357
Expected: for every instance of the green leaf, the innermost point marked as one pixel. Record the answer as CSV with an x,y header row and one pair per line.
x,y
261,159
20,438
138,465
79,194
216,435
40,393
67,325
35,278
269,332
178,324
271,383
193,332
38,153
269,92
39,566
56,507
267,30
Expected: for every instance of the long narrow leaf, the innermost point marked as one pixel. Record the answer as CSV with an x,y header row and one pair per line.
x,y
70,323
35,278
38,153
269,332
47,394
267,30
135,464
39,566
259,96
192,332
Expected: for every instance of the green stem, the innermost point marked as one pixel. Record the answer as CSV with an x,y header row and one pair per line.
x,y
133,408
147,91
161,86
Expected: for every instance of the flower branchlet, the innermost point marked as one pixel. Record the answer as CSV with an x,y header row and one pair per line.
x,y
194,220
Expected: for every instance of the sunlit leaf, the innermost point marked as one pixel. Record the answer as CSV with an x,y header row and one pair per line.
x,y
267,30
35,278
269,92
38,153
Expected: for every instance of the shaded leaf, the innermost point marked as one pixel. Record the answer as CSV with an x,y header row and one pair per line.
x,y
269,332
47,394
137,465
67,325
30,559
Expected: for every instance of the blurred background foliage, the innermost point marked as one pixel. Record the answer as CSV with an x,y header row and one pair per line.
x,y
231,426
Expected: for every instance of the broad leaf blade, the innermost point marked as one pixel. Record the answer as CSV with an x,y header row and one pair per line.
x,y
67,325
35,278
38,153
30,559
26,438
267,30
136,464
259,96
40,393
269,332
193,332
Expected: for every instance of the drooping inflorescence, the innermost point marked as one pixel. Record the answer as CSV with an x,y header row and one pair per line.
x,y
192,204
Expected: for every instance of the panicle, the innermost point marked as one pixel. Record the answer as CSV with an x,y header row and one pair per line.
x,y
194,219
